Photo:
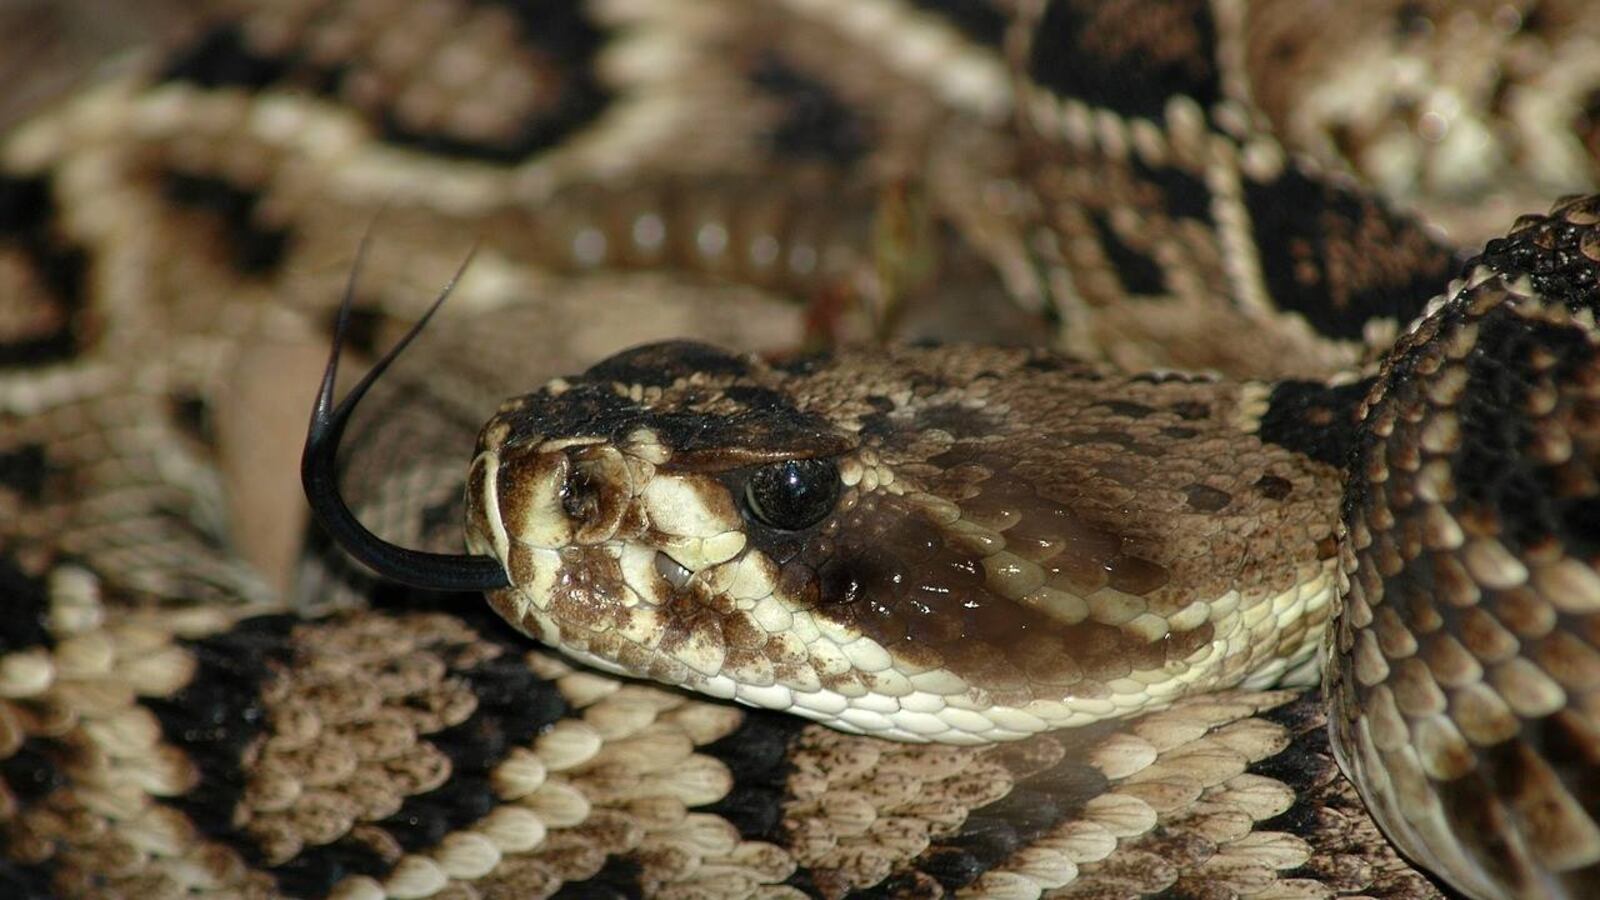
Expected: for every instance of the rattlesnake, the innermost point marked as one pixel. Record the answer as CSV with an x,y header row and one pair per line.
x,y
169,237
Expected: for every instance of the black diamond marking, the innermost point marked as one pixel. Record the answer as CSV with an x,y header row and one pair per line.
x,y
804,881
193,417
1301,766
757,755
901,885
30,773
984,842
216,719
816,124
979,20
1037,804
1314,419
879,429
314,875
514,706
256,250
221,59
27,607
445,514
1290,218
219,715
1139,274
559,32
1028,811
220,712
1127,409
1301,818
24,471
952,866
1183,196
1069,57
1493,469
619,879
25,205
27,210
27,881
1300,715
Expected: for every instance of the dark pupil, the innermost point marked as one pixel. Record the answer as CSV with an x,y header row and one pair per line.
x,y
793,494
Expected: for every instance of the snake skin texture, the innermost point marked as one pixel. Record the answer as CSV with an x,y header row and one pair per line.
x,y
1021,542
1310,203
1440,590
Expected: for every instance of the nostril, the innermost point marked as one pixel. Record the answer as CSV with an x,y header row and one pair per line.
x,y
580,495
593,492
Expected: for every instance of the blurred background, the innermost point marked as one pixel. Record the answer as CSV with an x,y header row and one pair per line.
x,y
49,46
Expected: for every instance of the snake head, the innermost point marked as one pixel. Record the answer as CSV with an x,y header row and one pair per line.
x,y
624,504
922,543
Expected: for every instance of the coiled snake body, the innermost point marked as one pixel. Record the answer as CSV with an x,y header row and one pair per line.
x,y
1115,581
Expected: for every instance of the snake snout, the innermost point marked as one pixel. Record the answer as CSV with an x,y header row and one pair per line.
x,y
558,494
596,493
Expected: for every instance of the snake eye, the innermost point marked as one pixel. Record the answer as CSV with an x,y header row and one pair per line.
x,y
793,494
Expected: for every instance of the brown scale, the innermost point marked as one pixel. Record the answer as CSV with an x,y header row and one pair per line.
x,y
1481,650
1162,527
902,581
397,77
1094,555
850,806
350,764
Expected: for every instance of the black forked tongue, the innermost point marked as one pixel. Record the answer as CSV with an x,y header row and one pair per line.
x,y
417,568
